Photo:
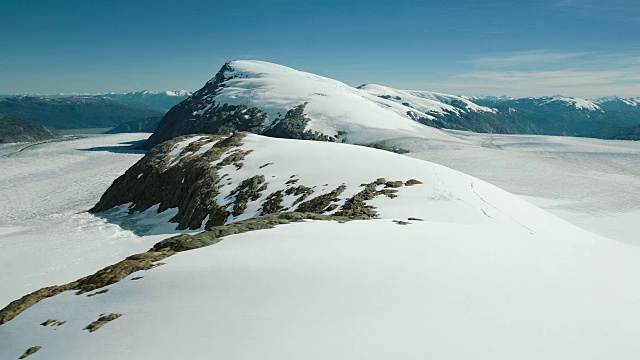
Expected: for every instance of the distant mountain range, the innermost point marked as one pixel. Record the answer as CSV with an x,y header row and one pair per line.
x,y
91,111
267,99
74,112
162,101
14,130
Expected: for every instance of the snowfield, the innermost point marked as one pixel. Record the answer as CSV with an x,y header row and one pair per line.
x,y
46,236
425,101
592,183
366,289
483,274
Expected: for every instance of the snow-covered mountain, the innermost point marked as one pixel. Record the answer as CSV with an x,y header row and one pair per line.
x,y
276,100
619,103
580,104
279,101
397,257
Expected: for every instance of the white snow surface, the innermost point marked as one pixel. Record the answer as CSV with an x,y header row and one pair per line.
x,y
486,275
592,183
632,101
332,106
46,235
582,104
426,101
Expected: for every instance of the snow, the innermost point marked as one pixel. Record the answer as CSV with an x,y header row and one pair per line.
x,y
332,106
174,155
486,275
581,104
516,283
629,101
426,101
592,183
177,93
46,237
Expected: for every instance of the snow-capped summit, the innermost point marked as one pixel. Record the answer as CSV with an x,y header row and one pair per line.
x,y
619,103
258,96
177,93
578,103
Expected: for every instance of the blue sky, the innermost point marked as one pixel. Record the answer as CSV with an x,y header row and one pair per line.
x,y
582,48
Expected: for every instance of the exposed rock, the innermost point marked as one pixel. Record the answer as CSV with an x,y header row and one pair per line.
x,y
273,203
191,185
195,115
301,191
139,125
103,291
400,222
116,272
320,203
412,182
52,322
393,184
18,306
249,190
293,125
30,351
102,321
356,206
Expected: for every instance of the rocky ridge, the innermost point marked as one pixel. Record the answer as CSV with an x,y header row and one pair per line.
x,y
18,130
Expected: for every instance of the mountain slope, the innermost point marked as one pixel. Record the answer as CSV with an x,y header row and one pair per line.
x,y
161,101
74,112
140,125
621,133
558,115
474,266
267,98
619,104
16,130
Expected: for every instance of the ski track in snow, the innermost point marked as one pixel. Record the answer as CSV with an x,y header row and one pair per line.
x,y
592,183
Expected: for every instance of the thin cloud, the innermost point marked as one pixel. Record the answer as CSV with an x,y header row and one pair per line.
x,y
546,72
624,10
524,58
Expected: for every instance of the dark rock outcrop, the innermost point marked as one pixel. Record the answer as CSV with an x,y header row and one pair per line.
x,y
193,180
141,125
